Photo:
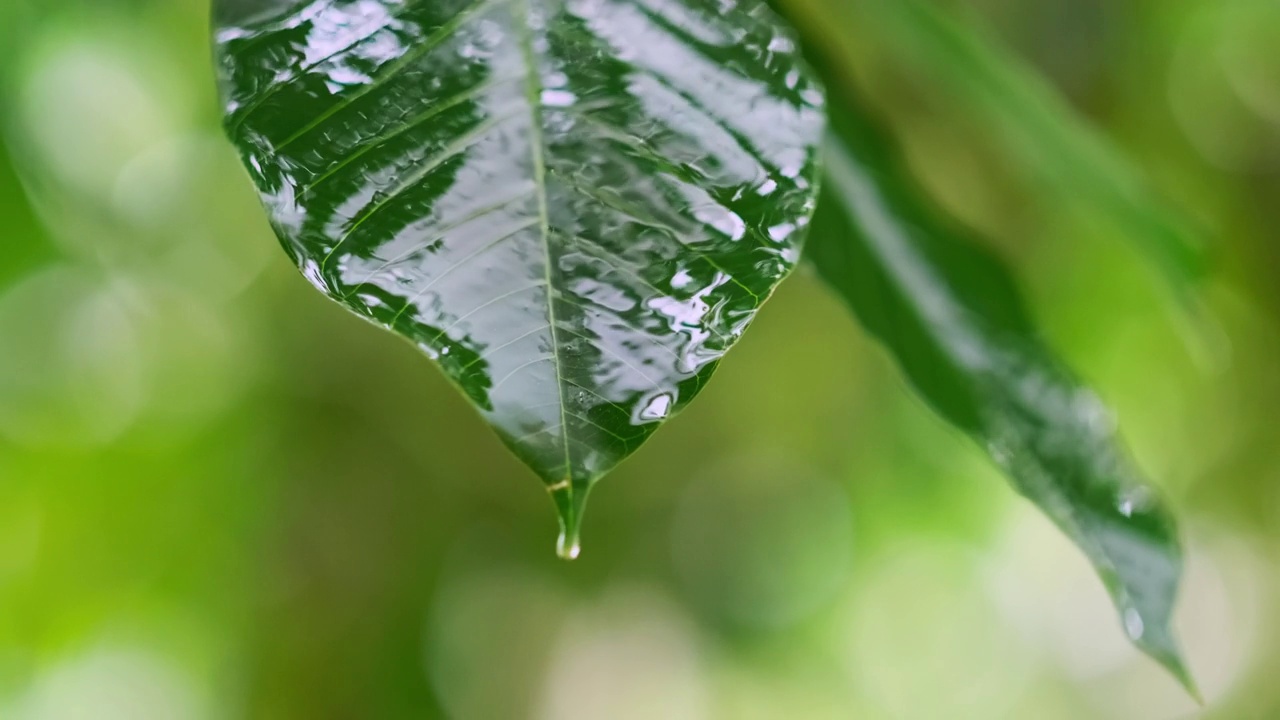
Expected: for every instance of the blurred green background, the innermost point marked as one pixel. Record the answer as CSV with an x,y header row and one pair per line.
x,y
221,496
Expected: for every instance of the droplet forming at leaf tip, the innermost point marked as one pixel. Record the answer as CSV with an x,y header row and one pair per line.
x,y
570,501
568,546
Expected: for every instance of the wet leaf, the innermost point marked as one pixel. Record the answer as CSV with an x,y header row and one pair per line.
x,y
575,207
951,316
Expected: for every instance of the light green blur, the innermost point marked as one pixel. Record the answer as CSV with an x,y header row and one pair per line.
x,y
223,497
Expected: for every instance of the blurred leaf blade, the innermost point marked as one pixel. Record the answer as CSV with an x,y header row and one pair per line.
x,y
543,197
1041,130
951,316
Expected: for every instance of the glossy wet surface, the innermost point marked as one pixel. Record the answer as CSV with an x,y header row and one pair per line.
x,y
952,316
574,207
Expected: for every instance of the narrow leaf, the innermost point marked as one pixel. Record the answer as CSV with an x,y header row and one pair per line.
x,y
951,316
575,207
1040,129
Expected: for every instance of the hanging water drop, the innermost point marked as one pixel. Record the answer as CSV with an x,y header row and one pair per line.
x,y
570,500
568,547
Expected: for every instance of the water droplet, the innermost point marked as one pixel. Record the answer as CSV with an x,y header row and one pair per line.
x,y
998,452
570,501
1135,500
567,548
1133,626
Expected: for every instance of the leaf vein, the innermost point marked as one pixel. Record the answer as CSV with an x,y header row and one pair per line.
x,y
439,233
517,369
414,122
459,145
485,248
589,391
606,349
397,66
276,87
671,233
533,95
489,352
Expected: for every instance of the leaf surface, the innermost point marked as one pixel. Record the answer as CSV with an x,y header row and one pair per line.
x,y
575,207
951,316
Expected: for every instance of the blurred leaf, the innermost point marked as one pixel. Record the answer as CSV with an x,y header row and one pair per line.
x,y
952,317
1032,119
28,246
14,20
574,208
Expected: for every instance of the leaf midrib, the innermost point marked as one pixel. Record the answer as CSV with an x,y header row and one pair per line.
x,y
522,16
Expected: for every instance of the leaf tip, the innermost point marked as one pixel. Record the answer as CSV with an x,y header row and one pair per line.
x,y
1163,648
1174,664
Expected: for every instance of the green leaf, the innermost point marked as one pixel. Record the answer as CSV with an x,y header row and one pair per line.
x,y
1037,126
950,314
575,207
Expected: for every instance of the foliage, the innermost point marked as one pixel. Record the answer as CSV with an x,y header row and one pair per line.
x,y
576,208
221,497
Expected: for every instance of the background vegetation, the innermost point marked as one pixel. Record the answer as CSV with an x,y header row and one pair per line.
x,y
223,497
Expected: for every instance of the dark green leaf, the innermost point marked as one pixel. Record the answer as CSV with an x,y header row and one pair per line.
x,y
574,206
951,316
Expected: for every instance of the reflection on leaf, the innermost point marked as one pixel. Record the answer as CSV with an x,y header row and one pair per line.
x,y
575,208
952,318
